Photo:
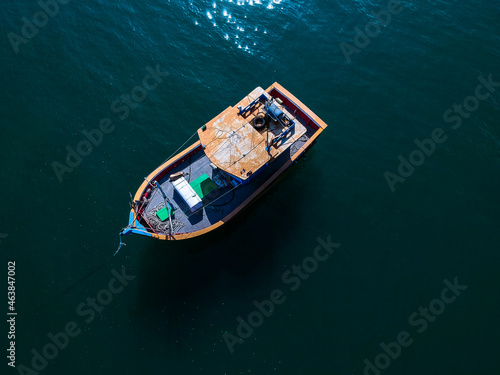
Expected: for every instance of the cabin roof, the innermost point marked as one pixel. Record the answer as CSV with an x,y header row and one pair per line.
x,y
232,143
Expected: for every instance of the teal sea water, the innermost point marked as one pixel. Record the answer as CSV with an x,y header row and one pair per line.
x,y
391,299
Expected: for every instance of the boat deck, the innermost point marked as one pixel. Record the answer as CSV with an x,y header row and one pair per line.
x,y
217,205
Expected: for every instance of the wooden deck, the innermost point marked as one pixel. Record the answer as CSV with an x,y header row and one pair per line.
x,y
232,143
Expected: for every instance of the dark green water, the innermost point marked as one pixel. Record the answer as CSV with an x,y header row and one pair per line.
x,y
397,247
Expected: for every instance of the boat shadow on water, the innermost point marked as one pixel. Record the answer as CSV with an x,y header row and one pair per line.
x,y
178,275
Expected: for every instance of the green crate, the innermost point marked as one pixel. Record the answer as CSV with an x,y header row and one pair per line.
x,y
203,185
164,213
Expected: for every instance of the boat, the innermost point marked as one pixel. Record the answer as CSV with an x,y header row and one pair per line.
x,y
237,157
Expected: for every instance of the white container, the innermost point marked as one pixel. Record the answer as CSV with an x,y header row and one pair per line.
x,y
187,193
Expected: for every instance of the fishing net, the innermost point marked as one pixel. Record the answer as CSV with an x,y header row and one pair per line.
x,y
162,227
